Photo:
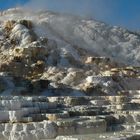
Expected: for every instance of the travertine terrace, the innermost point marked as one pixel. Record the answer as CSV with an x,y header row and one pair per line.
x,y
65,78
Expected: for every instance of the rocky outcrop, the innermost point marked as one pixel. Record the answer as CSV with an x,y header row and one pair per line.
x,y
44,117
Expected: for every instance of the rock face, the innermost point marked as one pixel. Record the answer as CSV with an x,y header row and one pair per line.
x,y
74,80
44,117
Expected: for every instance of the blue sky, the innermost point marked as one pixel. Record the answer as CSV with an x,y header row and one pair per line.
x,y
116,12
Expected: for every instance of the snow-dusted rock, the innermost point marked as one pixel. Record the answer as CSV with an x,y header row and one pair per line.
x,y
20,34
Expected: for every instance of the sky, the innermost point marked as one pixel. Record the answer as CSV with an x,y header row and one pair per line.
x,y
124,13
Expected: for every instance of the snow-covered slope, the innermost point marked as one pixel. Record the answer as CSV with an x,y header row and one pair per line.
x,y
104,40
74,54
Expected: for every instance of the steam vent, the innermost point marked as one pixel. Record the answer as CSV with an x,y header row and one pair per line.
x,y
66,78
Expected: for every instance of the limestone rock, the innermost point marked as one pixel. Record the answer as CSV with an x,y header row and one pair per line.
x,y
9,25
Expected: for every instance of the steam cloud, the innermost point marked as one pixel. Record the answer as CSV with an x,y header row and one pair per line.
x,y
89,8
104,10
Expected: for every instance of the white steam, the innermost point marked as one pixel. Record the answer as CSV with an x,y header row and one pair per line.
x,y
87,8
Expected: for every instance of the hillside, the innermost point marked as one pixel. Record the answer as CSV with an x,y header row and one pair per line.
x,y
64,75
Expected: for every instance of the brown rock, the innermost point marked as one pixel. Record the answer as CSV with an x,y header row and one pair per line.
x,y
26,23
9,25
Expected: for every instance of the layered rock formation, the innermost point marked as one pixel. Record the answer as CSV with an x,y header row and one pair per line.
x,y
62,77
